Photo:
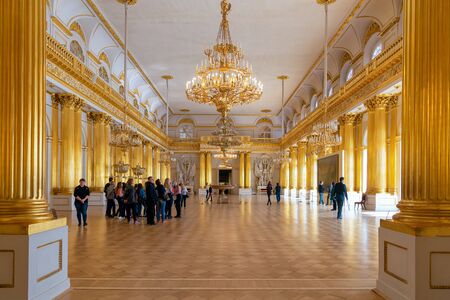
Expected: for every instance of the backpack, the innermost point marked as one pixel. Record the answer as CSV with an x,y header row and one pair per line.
x,y
109,191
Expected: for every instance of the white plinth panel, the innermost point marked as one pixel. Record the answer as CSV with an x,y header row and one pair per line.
x,y
285,192
412,267
34,266
63,202
382,202
293,193
312,197
202,192
97,199
302,195
245,192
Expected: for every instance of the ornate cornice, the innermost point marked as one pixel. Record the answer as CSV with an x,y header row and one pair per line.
x,y
67,100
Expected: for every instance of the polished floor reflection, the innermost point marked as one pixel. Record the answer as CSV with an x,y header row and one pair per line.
x,y
239,250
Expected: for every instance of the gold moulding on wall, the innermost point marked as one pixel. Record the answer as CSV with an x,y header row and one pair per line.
x,y
30,229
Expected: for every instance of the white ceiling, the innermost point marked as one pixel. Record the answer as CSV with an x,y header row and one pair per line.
x,y
278,37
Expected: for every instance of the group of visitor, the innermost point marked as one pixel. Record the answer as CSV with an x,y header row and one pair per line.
x,y
337,194
153,200
270,190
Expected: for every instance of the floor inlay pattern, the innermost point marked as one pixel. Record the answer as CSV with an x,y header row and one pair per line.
x,y
240,250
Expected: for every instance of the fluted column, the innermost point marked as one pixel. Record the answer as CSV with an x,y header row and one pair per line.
x,y
393,147
241,170
311,169
22,81
248,170
100,149
156,165
163,169
286,174
358,152
347,124
55,146
426,115
293,168
301,165
376,144
169,169
148,159
202,167
209,168
282,172
71,152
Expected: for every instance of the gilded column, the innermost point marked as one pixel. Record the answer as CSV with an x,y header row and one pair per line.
x,y
163,169
156,165
286,174
22,80
248,170
358,152
55,146
202,167
393,147
301,165
347,124
71,152
100,147
208,168
241,170
293,168
282,171
376,144
169,169
311,169
148,159
426,115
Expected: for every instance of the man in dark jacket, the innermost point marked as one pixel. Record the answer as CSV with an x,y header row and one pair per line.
x,y
340,192
109,191
321,191
151,198
130,201
330,199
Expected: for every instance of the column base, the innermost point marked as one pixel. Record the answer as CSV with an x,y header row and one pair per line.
x,y
34,260
63,202
302,195
97,199
311,197
285,192
381,202
245,192
412,267
293,193
202,192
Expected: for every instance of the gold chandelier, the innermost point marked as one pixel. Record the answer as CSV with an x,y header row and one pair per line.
x,y
324,136
224,79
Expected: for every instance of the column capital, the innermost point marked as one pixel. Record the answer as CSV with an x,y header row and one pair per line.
x,y
99,117
70,101
347,119
302,144
358,118
380,101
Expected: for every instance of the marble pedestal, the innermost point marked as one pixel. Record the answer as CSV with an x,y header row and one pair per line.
x,y
97,199
63,202
285,192
245,192
293,193
311,197
202,192
381,202
302,195
33,261
412,267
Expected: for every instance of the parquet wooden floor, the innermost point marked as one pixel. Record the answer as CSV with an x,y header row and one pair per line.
x,y
240,250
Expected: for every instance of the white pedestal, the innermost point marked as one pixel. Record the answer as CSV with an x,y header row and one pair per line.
x,y
245,192
293,193
202,192
63,202
285,192
97,199
311,197
302,195
413,267
381,202
34,266
352,198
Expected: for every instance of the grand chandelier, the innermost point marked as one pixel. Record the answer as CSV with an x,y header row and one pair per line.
x,y
224,155
225,136
324,136
224,79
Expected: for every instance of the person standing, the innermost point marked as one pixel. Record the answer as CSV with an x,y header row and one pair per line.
x,y
151,197
169,201
162,196
321,191
120,200
340,192
130,201
110,195
81,194
209,194
269,190
331,198
184,195
140,193
278,192
177,195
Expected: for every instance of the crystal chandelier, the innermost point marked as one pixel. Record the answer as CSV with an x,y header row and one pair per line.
x,y
121,168
125,135
138,171
324,136
225,155
224,79
225,136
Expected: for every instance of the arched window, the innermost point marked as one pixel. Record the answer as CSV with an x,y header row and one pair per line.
x,y
185,131
76,50
103,73
349,74
377,50
314,103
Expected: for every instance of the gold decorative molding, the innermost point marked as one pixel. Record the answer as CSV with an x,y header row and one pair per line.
x,y
30,229
61,26
93,57
347,119
422,231
433,286
373,28
103,57
99,117
358,118
380,101
12,283
67,100
59,269
77,28
386,266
